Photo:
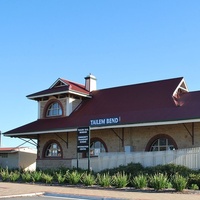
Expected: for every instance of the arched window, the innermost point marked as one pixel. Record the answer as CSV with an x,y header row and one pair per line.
x,y
161,143
97,146
53,149
54,109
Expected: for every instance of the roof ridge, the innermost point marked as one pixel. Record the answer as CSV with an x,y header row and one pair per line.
x,y
72,82
141,83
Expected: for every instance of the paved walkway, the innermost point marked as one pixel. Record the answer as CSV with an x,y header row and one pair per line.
x,y
21,189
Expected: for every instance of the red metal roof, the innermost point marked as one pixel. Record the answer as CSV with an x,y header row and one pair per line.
x,y
134,104
69,87
8,149
76,86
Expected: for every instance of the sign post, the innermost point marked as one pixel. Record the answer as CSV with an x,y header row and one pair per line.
x,y
83,143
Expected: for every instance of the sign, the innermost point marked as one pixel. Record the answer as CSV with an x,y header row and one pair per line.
x,y
105,121
83,139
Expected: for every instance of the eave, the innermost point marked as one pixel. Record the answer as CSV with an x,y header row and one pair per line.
x,y
144,124
58,93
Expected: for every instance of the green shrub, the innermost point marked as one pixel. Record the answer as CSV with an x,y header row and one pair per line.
x,y
159,181
179,182
159,177
26,176
194,179
88,179
61,170
132,168
4,174
139,181
14,176
194,187
47,178
169,170
60,177
104,180
37,176
73,177
49,171
120,180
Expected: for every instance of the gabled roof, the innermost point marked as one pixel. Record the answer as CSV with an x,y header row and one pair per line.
x,y
137,105
61,86
3,149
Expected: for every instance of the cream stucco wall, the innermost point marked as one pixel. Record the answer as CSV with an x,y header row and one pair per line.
x,y
68,104
11,160
21,159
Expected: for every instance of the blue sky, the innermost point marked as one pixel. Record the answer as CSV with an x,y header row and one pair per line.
x,y
121,42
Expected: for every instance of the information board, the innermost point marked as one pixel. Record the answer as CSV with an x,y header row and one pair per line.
x,y
83,137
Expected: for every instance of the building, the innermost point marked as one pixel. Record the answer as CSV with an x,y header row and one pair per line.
x,y
18,158
154,116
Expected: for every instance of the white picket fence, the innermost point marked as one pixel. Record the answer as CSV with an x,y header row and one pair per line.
x,y
186,157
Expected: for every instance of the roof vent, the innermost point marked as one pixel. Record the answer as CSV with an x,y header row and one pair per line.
x,y
90,83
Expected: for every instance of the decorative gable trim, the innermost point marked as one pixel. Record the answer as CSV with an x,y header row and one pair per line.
x,y
59,82
181,88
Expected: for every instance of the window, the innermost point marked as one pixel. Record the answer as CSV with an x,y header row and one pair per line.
x,y
4,155
54,110
97,147
53,150
162,144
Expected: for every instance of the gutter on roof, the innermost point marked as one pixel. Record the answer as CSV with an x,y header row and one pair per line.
x,y
9,151
108,127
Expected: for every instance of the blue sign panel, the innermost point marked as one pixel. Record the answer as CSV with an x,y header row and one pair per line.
x,y
105,121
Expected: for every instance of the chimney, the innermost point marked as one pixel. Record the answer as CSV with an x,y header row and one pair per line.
x,y
90,83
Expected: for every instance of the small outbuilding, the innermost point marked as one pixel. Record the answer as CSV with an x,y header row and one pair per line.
x,y
18,158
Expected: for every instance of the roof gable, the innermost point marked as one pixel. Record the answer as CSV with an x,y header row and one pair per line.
x,y
58,83
181,88
61,86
